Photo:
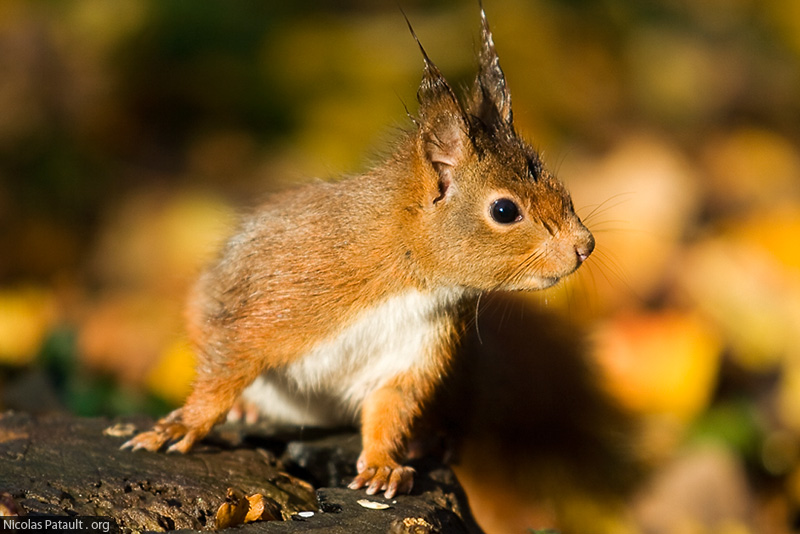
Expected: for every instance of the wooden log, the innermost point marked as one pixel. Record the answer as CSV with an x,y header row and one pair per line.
x,y
58,466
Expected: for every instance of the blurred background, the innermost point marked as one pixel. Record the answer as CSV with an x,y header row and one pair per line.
x,y
132,133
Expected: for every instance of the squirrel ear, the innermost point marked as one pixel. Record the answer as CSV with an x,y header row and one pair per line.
x,y
443,145
490,100
443,128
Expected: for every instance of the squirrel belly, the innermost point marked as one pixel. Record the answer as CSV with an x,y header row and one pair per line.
x,y
327,386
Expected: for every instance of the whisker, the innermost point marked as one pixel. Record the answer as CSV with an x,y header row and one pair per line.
x,y
504,313
600,230
606,262
532,265
590,273
485,298
606,221
588,286
477,313
584,289
602,269
556,168
604,258
527,264
568,288
598,209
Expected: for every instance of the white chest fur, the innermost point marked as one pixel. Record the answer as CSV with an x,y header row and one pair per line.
x,y
327,385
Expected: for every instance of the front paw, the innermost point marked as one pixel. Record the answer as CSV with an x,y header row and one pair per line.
x,y
391,479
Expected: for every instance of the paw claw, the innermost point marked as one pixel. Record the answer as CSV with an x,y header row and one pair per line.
x,y
166,430
184,445
151,441
391,479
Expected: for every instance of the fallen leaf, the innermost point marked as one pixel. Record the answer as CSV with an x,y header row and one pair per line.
x,y
238,509
233,511
262,509
660,363
26,315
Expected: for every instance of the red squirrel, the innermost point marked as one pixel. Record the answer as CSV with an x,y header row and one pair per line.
x,y
338,303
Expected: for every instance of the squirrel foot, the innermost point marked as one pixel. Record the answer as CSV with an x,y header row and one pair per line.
x,y
391,479
168,429
243,410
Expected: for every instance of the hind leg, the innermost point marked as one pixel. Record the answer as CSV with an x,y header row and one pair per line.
x,y
244,410
213,394
167,429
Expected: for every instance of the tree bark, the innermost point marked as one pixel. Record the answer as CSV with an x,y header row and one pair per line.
x,y
67,466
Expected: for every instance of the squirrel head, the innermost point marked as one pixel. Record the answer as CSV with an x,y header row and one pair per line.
x,y
490,215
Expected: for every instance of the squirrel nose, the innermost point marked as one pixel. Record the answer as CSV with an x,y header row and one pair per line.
x,y
583,250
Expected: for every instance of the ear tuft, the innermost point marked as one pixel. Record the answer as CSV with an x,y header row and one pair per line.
x,y
434,91
490,100
443,128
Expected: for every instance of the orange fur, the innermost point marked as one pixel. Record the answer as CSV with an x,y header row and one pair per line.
x,y
353,293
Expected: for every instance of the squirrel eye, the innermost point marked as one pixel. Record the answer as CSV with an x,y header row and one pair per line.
x,y
505,211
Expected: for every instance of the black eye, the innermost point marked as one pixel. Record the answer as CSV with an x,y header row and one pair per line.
x,y
505,211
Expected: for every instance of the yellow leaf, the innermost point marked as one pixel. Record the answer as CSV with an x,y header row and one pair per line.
x,y
26,314
171,378
752,298
660,363
771,230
